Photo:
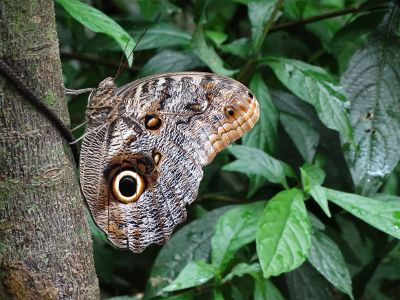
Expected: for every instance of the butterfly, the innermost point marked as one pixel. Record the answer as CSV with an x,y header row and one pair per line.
x,y
146,143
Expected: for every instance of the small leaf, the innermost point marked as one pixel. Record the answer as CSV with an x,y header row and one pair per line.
x,y
382,214
306,283
243,269
300,122
260,11
303,135
319,195
311,176
217,37
192,242
170,61
264,134
162,35
254,161
207,53
194,274
97,21
235,228
264,289
313,85
217,294
240,47
284,234
372,85
325,256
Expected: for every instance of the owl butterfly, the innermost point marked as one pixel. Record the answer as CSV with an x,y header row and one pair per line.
x,y
145,146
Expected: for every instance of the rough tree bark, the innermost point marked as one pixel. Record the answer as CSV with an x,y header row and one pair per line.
x,y
45,243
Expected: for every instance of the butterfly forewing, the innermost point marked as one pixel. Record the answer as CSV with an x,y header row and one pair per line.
x,y
146,143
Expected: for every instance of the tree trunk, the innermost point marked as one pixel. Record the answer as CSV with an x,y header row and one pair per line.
x,y
45,243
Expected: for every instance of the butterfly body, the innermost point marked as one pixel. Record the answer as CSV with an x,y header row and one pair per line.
x,y
145,146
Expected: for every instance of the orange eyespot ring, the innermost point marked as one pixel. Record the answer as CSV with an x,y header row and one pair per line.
x,y
127,186
230,111
152,122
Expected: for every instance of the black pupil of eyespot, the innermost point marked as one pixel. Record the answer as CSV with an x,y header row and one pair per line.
x,y
127,186
231,113
250,95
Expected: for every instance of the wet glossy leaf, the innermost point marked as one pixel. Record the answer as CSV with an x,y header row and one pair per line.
x,y
97,21
326,257
305,283
193,274
382,214
162,35
242,269
319,195
260,12
235,228
264,289
207,54
300,122
190,243
254,161
372,84
284,234
170,61
315,86
264,134
240,47
311,176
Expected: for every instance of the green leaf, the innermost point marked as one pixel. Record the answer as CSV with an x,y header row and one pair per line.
x,y
265,132
311,176
254,161
263,288
284,234
241,270
303,135
313,85
217,37
207,53
217,294
240,47
170,61
235,228
383,215
190,243
97,21
150,9
162,35
325,256
319,195
300,122
259,13
372,84
193,274
306,283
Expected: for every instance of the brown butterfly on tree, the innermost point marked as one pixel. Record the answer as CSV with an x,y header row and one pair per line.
x,y
146,143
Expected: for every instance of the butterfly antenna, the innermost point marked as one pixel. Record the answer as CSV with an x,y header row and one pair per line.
x,y
123,65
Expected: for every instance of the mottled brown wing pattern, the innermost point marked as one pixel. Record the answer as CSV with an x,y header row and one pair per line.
x,y
146,144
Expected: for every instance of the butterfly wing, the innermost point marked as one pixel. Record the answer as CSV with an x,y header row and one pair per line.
x,y
160,131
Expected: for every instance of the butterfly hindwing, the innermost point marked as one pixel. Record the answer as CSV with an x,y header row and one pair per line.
x,y
146,144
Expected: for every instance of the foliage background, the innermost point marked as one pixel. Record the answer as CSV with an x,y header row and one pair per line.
x,y
305,206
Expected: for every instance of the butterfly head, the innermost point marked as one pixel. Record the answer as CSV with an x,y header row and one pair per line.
x,y
237,112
